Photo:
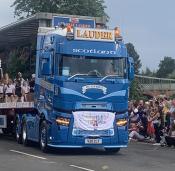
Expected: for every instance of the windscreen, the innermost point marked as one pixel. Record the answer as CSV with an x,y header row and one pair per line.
x,y
92,66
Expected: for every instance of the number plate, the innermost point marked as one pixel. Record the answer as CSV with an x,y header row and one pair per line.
x,y
93,141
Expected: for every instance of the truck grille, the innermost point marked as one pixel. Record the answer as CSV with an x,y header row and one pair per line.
x,y
84,133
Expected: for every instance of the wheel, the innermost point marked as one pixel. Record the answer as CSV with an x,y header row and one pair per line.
x,y
5,131
112,150
43,137
25,141
17,133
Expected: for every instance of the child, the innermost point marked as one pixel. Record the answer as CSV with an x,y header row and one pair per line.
x,y
150,129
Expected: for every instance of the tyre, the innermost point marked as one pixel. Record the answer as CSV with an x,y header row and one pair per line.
x,y
17,133
5,131
25,141
43,137
112,150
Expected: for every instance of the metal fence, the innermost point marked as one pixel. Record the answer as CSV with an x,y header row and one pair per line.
x,y
154,83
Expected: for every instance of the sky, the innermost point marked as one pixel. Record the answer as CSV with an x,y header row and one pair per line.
x,y
148,24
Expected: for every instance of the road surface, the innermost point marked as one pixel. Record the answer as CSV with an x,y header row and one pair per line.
x,y
137,157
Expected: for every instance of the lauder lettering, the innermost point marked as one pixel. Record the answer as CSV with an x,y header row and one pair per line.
x,y
94,34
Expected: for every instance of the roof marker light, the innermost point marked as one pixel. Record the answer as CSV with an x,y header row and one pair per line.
x,y
117,33
69,28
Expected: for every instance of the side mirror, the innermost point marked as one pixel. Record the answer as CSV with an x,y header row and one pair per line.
x,y
131,68
46,69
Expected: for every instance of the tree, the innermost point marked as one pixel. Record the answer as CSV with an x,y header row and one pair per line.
x,y
25,8
172,75
21,59
135,92
147,72
132,53
166,67
135,89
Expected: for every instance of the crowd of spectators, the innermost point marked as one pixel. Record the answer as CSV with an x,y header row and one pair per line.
x,y
153,121
16,90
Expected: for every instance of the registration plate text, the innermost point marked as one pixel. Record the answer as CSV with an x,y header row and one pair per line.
x,y
93,141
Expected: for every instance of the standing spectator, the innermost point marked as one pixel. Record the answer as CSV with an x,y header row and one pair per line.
x,y
170,139
150,128
32,83
134,117
151,103
156,122
19,78
165,110
172,111
32,88
159,105
144,121
141,108
9,91
25,91
18,91
147,108
1,91
6,79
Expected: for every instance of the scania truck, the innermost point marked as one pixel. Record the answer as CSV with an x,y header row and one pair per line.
x,y
81,91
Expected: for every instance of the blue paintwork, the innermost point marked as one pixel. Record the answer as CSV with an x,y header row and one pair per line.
x,y
62,96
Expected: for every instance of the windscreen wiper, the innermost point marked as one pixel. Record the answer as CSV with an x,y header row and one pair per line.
x,y
77,75
108,76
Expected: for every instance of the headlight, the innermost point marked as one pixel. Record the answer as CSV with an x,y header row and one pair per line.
x,y
122,122
63,121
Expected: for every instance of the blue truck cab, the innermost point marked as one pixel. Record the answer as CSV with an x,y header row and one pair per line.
x,y
81,90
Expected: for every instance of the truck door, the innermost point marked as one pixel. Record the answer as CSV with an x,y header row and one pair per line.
x,y
42,86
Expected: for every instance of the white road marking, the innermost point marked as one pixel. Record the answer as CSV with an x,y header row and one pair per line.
x,y
26,154
49,162
82,168
105,167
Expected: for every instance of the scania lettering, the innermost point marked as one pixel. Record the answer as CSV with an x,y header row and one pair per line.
x,y
81,91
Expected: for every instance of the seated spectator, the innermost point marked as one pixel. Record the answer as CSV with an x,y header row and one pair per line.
x,y
137,131
9,92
